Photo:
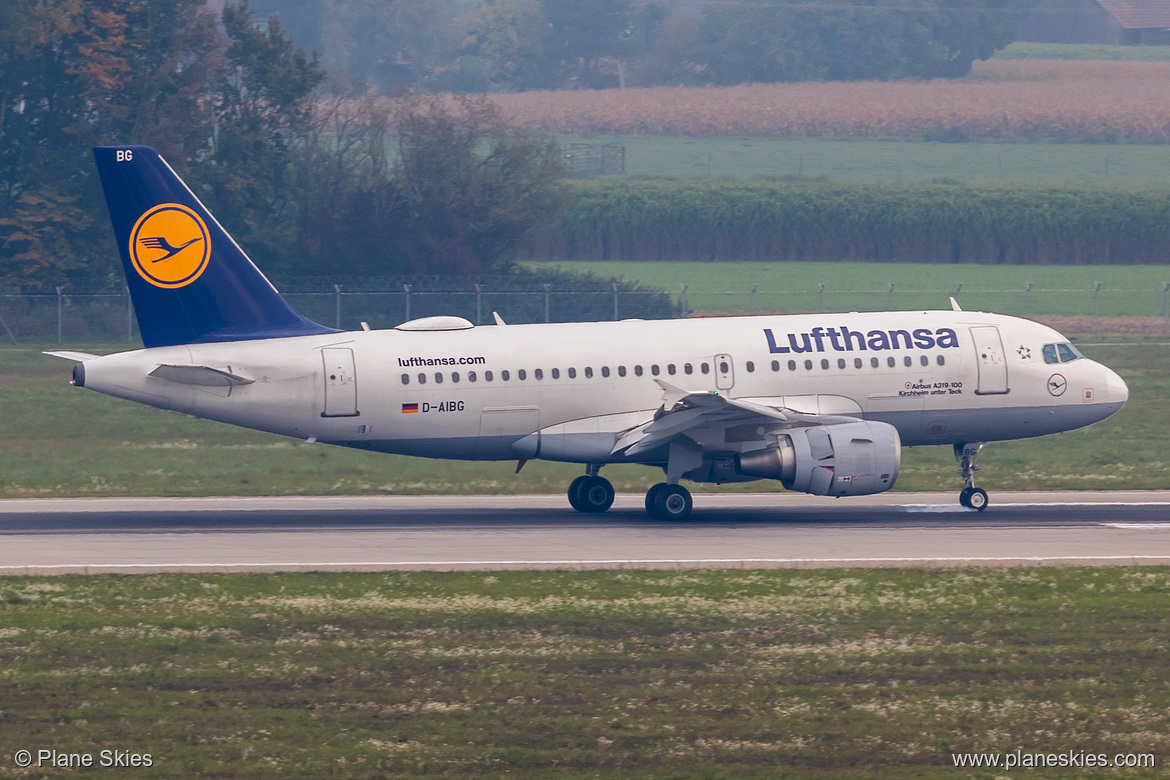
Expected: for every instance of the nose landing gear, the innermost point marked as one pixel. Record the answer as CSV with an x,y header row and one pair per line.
x,y
970,496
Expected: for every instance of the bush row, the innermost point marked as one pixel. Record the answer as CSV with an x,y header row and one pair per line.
x,y
932,223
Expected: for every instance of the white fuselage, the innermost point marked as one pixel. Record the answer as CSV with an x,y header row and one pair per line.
x,y
566,391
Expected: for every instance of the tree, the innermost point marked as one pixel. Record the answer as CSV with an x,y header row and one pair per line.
x,y
464,190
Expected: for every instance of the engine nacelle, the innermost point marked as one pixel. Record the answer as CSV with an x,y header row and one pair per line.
x,y
850,459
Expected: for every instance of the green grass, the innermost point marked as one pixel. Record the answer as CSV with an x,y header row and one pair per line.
x,y
1021,50
698,674
57,440
1130,290
890,162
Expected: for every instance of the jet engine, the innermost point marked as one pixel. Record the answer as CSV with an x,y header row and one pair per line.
x,y
849,459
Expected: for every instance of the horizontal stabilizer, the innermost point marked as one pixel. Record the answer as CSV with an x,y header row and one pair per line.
x,y
200,376
76,357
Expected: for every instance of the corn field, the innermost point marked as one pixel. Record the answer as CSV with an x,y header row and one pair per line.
x,y
719,221
1133,108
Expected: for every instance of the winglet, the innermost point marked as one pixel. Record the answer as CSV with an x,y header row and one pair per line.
x,y
671,395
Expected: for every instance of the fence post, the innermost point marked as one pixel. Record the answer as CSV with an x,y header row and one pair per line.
x,y
60,308
682,297
129,317
891,296
478,303
615,302
1028,300
1097,306
821,293
547,288
1165,308
406,289
754,288
337,293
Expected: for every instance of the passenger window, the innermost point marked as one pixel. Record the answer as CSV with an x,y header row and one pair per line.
x,y
808,365
538,373
505,376
688,368
470,376
406,379
840,362
637,371
703,368
422,379
907,361
857,363
487,376
572,373
605,371
438,378
556,373
621,370
824,364
941,360
924,360
670,369
891,362
751,367
723,369
588,372
521,375
1050,353
1066,353
776,365
873,363
654,369
791,365
455,376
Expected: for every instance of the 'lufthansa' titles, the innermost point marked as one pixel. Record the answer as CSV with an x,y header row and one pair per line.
x,y
845,340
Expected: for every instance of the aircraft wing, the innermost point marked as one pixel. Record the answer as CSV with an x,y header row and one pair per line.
x,y
683,412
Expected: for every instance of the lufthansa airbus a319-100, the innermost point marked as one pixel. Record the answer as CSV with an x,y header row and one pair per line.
x,y
821,402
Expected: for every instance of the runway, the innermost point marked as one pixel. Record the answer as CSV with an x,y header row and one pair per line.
x,y
57,536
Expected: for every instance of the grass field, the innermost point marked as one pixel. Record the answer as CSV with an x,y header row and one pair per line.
x,y
1130,290
889,161
57,440
703,674
1021,50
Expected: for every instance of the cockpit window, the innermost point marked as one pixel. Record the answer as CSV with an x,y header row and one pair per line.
x,y
1068,352
1050,353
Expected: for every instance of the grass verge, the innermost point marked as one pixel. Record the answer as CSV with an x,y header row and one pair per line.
x,y
600,674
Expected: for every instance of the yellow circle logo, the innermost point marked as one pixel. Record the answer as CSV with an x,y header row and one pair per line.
x,y
170,246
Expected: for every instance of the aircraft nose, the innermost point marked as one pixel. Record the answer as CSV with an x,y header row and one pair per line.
x,y
1118,391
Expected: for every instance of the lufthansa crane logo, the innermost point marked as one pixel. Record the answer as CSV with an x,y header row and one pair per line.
x,y
170,246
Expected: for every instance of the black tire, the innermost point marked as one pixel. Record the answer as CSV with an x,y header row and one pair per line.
x,y
965,497
650,495
574,488
672,502
595,495
978,499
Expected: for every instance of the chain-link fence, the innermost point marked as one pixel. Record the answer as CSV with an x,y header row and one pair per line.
x,y
70,315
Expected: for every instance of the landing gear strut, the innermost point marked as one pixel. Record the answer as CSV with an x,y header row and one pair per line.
x,y
591,493
970,496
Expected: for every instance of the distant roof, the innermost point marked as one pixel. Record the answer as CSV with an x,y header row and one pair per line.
x,y
1138,14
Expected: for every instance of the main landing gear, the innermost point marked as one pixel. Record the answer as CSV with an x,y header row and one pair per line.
x,y
593,494
970,496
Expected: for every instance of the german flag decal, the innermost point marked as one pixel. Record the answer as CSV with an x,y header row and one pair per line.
x,y
410,408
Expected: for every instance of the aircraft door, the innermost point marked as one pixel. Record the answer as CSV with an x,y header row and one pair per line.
x,y
724,372
992,362
340,383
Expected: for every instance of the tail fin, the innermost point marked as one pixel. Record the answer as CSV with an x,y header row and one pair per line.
x,y
189,281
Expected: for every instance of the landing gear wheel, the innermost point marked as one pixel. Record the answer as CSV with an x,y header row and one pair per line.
x,y
593,494
651,495
670,502
977,500
964,497
574,488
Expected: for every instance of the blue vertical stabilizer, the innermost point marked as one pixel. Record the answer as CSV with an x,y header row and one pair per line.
x,y
189,281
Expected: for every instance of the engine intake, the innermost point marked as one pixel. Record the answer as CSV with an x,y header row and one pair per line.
x,y
850,459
